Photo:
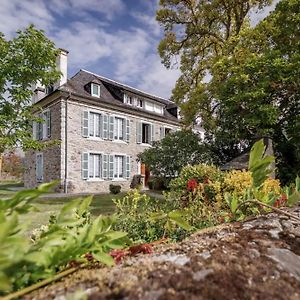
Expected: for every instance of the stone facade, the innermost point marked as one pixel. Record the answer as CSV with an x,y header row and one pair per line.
x,y
72,146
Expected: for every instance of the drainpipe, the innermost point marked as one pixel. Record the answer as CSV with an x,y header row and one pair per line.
x,y
66,145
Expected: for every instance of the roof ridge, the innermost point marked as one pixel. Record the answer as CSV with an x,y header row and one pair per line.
x,y
126,86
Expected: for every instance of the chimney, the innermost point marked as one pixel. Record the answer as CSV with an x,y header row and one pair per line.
x,y
62,66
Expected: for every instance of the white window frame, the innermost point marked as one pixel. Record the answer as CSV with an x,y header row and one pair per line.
x,y
117,166
39,177
139,101
128,97
94,125
149,136
117,136
94,178
98,89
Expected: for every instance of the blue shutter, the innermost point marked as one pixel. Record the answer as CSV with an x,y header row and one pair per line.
x,y
127,166
127,130
40,128
111,127
85,165
85,124
105,166
138,132
105,127
111,167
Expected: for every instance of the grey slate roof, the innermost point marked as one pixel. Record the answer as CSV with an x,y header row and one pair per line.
x,y
113,92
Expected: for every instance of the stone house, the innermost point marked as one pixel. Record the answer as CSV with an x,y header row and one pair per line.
x,y
100,126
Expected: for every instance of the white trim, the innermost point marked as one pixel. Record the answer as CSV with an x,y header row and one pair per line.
x,y
92,92
101,165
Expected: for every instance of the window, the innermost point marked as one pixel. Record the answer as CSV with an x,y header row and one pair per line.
x,y
49,89
95,166
167,130
146,133
39,167
94,124
128,99
95,90
150,106
119,166
119,129
42,130
139,103
105,166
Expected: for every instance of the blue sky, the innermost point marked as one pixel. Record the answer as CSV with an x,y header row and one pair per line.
x,y
114,38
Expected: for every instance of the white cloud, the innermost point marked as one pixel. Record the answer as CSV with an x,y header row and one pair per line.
x,y
109,8
19,14
131,52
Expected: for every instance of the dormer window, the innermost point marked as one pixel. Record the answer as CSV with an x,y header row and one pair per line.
x,y
128,99
139,103
95,90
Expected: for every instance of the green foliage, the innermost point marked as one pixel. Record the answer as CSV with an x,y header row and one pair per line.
x,y
200,172
26,59
254,74
259,164
147,219
114,188
68,237
168,156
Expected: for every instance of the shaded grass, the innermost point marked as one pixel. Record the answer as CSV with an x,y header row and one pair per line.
x,y
101,204
10,184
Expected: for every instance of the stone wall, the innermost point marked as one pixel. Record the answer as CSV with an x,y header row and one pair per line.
x,y
77,144
51,154
54,157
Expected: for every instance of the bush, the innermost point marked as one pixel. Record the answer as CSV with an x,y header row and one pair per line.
x,y
157,184
114,188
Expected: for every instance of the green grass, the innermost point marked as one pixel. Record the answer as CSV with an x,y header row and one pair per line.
x,y
101,204
8,184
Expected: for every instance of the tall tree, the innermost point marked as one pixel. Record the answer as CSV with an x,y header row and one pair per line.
x,y
178,149
200,33
28,58
262,86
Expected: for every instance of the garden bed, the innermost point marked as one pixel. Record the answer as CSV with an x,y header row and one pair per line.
x,y
255,259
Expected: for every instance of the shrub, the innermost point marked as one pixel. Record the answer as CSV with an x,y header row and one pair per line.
x,y
157,184
114,188
237,181
202,181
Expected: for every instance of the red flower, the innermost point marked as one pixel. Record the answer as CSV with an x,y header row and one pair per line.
x,y
280,201
192,185
143,248
118,255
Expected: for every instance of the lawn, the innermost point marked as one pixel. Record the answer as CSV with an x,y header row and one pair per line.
x,y
101,204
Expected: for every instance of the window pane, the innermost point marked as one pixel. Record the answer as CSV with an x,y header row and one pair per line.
x,y
97,166
121,129
116,167
121,166
91,166
95,89
97,125
91,124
